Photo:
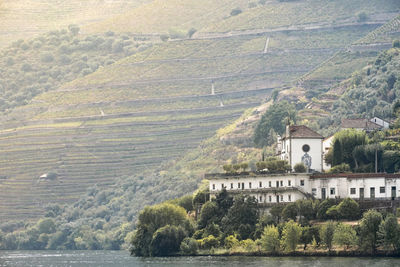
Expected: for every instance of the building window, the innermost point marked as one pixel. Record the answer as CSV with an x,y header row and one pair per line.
x,y
281,198
231,185
306,148
281,183
277,183
314,191
269,184
238,185
213,186
260,198
352,191
302,182
260,184
289,183
332,190
222,186
270,198
382,189
250,185
290,197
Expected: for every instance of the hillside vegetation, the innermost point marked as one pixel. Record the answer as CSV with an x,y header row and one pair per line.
x,y
149,107
42,64
136,128
21,19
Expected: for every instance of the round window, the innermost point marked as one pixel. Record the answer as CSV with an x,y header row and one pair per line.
x,y
306,148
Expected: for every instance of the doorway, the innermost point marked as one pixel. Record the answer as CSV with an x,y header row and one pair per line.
x,y
323,193
361,193
372,192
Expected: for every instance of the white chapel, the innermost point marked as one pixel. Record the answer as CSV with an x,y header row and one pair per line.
x,y
301,144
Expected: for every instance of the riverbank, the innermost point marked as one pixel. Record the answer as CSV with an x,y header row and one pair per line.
x,y
99,258
332,253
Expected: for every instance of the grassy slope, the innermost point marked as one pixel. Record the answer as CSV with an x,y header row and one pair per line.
x,y
145,109
25,18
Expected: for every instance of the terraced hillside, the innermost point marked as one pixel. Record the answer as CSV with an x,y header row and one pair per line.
x,y
328,76
131,116
230,16
26,18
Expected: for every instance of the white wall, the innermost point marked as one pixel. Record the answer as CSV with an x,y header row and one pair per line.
x,y
315,152
326,145
380,122
295,184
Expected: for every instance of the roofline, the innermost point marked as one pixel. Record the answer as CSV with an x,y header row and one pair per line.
x,y
326,138
312,176
356,175
283,138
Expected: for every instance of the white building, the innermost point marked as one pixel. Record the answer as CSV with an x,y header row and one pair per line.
x,y
300,144
327,143
285,188
360,124
384,124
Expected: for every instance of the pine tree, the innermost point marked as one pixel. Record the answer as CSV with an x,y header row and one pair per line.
x,y
337,153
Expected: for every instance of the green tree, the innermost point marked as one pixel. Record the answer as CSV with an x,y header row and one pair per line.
x,y
348,209
323,208
242,217
244,166
46,226
270,239
326,233
290,212
228,168
348,139
341,168
236,11
236,167
306,209
189,246
231,242
306,236
299,167
190,32
389,233
291,235
337,153
369,227
224,202
74,29
261,165
276,165
276,212
396,43
150,220
344,235
333,212
209,242
209,214
274,118
167,240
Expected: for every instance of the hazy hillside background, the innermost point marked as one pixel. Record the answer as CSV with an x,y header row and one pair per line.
x,y
132,104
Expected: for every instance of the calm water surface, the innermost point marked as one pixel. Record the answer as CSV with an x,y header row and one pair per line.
x,y
122,258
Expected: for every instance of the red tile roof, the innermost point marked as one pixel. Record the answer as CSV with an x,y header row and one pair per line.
x,y
356,175
301,131
359,123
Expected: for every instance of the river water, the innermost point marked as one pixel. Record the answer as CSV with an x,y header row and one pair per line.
x,y
122,258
